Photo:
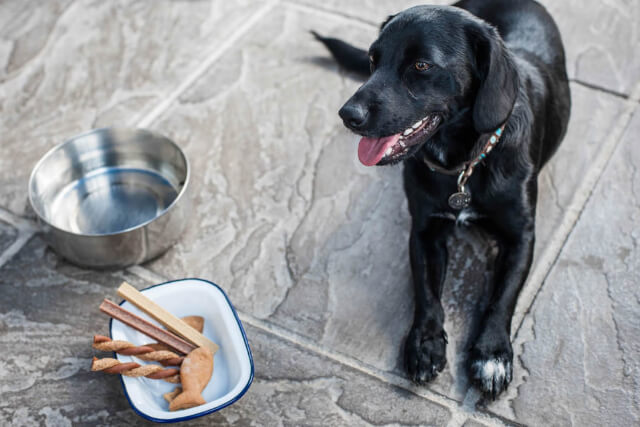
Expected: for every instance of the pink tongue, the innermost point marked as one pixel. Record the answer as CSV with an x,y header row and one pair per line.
x,y
371,150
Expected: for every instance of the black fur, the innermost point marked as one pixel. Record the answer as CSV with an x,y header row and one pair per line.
x,y
491,62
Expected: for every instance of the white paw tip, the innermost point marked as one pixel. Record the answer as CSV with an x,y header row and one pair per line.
x,y
490,372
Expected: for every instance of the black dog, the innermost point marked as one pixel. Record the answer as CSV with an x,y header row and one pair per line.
x,y
474,99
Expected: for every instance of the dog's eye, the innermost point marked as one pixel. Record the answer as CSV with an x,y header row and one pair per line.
x,y
421,66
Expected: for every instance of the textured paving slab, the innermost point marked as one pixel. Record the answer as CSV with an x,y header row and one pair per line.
x,y
49,311
66,67
599,36
268,152
48,314
600,40
296,229
295,387
581,341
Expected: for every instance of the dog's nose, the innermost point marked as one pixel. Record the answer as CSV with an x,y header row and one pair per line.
x,y
354,116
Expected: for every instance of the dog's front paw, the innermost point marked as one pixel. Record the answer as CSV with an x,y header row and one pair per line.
x,y
491,366
425,354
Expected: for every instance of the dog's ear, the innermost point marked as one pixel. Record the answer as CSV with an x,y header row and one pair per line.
x,y
386,21
498,78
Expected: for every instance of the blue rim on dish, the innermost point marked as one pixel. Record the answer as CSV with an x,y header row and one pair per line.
x,y
208,411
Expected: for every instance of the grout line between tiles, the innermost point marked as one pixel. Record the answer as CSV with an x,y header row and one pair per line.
x,y
580,199
375,24
332,13
599,88
25,228
14,248
459,415
147,118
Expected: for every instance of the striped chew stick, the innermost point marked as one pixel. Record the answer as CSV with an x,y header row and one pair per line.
x,y
132,369
144,352
151,352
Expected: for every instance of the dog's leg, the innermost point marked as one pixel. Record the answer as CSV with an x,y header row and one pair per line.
x,y
491,355
425,347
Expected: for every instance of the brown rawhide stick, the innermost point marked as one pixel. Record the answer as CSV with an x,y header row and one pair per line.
x,y
149,329
154,352
132,369
195,374
144,352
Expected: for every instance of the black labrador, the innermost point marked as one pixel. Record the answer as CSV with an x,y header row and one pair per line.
x,y
474,99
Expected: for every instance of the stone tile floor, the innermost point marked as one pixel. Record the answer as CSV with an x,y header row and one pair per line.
x,y
310,245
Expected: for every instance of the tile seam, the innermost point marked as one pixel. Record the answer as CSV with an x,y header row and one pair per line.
x,y
459,416
25,230
15,247
599,88
313,8
368,23
572,214
149,116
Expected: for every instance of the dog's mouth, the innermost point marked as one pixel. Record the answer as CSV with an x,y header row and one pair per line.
x,y
390,149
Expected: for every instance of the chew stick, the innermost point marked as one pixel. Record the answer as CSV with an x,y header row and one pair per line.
x,y
132,369
165,318
144,352
150,352
149,329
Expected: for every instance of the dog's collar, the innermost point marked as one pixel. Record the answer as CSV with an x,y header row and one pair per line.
x,y
435,168
461,198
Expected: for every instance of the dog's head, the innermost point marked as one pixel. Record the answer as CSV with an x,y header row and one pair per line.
x,y
429,66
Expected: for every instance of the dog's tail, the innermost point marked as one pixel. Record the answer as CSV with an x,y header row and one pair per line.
x,y
349,57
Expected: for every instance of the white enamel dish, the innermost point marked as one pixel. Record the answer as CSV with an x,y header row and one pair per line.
x,y
232,364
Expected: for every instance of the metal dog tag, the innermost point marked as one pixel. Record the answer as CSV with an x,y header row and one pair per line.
x,y
459,200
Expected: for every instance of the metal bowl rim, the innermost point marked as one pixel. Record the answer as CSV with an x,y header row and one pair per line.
x,y
58,147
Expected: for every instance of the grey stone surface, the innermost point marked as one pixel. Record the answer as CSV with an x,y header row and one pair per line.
x,y
297,230
48,314
66,67
8,235
49,311
582,340
275,174
295,387
599,36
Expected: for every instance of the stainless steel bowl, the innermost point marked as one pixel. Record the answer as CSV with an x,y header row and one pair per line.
x,y
111,197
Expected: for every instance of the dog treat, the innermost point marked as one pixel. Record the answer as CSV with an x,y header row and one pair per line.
x,y
155,352
195,374
131,369
165,318
144,352
149,329
196,322
172,394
